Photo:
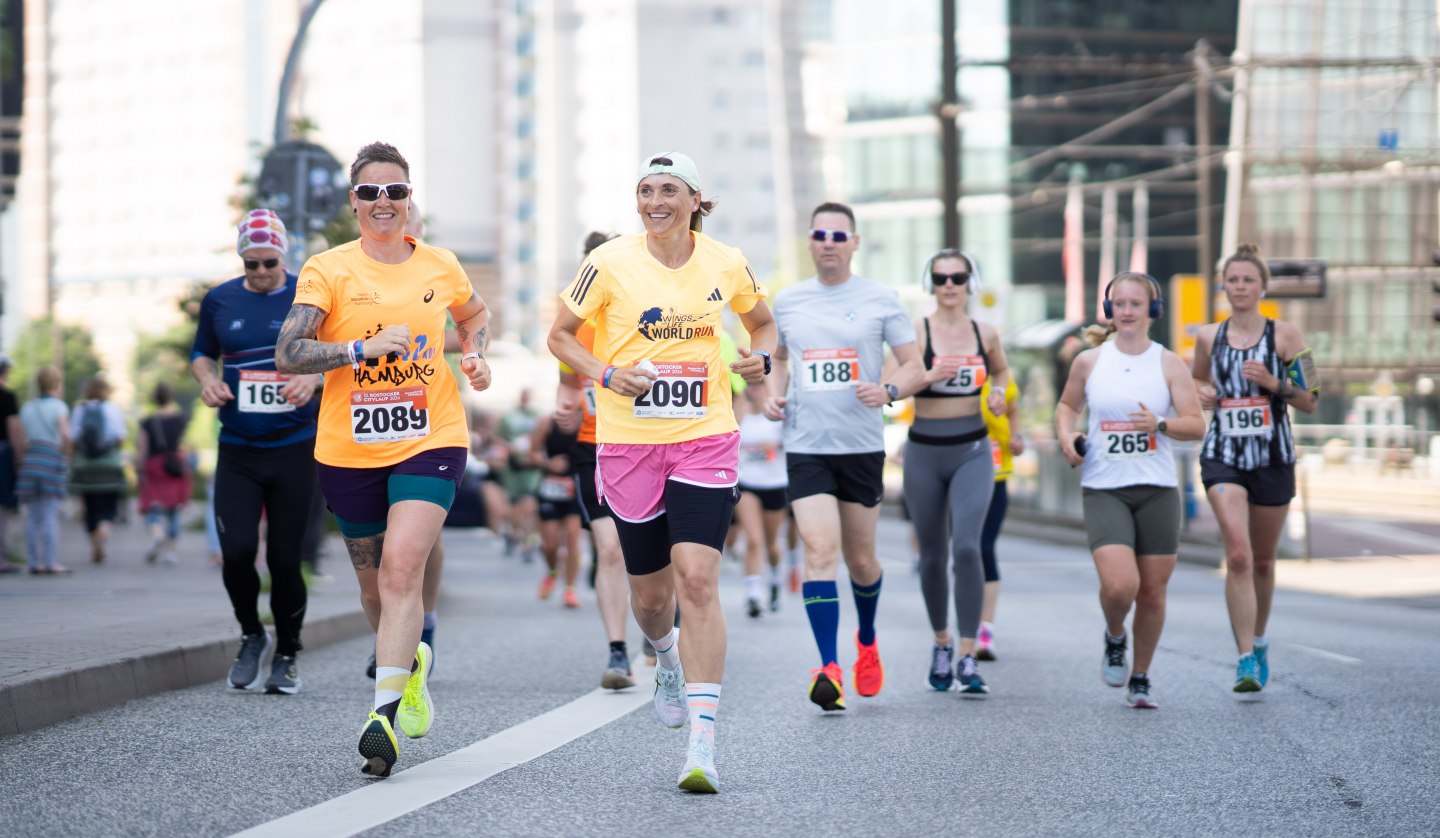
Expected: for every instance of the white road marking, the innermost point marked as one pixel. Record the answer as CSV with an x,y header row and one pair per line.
x,y
1334,656
414,787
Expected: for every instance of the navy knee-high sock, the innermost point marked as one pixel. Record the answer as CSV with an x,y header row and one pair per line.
x,y
822,605
867,601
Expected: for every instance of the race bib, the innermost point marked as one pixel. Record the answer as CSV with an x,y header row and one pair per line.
x,y
260,392
589,393
759,454
829,369
1244,417
1121,441
679,393
389,415
554,488
969,378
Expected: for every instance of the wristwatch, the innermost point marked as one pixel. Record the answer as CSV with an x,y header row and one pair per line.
x,y
766,355
893,392
1160,426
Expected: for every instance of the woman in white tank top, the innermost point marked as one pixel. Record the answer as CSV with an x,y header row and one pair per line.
x,y
1139,396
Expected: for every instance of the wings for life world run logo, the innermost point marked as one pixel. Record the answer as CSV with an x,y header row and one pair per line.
x,y
656,324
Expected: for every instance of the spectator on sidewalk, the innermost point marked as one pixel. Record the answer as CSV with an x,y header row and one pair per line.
x,y
9,463
97,471
45,439
163,467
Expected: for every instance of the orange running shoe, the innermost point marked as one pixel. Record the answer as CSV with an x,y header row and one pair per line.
x,y
827,687
572,599
869,672
795,580
547,586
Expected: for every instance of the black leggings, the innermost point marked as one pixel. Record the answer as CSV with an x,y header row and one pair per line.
x,y
281,483
999,502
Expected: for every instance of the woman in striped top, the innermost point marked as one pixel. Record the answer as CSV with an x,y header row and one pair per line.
x,y
1247,462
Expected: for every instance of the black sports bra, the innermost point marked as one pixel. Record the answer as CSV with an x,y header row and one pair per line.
x,y
971,376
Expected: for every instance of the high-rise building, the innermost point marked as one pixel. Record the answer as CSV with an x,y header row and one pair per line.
x,y
1335,156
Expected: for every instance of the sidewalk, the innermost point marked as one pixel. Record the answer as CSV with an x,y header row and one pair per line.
x,y
108,633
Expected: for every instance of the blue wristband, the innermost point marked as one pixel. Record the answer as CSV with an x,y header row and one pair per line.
x,y
357,350
605,379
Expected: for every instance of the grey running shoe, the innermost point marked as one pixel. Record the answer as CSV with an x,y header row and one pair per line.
x,y
245,671
942,676
967,677
1138,696
618,674
1113,669
284,676
699,774
670,703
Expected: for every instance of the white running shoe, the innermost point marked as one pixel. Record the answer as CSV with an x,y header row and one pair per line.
x,y
699,773
670,703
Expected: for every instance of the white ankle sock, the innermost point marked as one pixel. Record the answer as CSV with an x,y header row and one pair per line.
x,y
667,648
754,586
704,702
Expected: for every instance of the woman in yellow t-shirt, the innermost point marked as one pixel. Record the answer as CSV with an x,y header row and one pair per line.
x,y
391,446
1005,444
668,443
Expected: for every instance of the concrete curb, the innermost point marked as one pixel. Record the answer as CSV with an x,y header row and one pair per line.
x,y
46,697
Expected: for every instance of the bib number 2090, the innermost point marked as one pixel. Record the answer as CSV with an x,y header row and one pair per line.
x,y
389,415
678,393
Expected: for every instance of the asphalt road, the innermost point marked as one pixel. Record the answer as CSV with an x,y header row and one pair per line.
x,y
1345,741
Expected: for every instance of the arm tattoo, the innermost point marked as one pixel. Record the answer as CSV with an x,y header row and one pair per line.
x,y
365,552
481,338
297,350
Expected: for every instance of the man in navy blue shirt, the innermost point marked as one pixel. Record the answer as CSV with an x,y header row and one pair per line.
x,y
267,449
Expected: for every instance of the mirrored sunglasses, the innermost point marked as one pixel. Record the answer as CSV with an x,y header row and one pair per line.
x,y
371,191
836,236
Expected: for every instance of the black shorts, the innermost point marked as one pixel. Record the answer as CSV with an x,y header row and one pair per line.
x,y
1272,485
591,509
853,478
771,500
693,515
558,510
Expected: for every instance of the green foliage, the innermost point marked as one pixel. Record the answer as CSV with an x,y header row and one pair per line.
x,y
165,357
35,347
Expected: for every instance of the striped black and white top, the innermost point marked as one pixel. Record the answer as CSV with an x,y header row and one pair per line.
x,y
1247,451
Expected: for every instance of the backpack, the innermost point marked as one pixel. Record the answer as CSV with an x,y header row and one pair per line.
x,y
92,432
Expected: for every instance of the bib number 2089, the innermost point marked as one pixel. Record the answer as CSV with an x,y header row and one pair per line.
x,y
389,415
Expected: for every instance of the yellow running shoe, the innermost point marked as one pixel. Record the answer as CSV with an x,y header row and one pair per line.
x,y
416,712
378,746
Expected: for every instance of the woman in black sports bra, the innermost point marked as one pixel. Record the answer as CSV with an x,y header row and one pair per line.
x,y
949,473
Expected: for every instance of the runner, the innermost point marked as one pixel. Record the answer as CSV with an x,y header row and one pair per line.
x,y
612,591
949,472
521,479
763,503
392,439
559,510
1006,444
834,327
1247,463
669,444
1132,507
266,460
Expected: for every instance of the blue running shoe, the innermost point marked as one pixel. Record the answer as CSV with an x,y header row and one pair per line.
x,y
1262,662
942,675
968,679
1247,675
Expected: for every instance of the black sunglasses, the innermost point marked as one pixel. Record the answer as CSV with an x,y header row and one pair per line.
x,y
254,264
371,191
954,279
837,236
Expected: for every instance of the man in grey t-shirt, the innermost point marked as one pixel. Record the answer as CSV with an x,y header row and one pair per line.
x,y
833,332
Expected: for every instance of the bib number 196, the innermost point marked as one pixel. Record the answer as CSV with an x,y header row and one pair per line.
x,y
389,415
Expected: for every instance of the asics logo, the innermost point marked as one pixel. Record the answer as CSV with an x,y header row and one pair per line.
x,y
715,296
444,468
429,295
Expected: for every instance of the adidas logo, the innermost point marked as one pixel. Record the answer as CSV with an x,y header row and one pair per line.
x,y
720,474
715,296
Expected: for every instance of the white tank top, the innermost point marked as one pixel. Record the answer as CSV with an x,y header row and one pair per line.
x,y
762,453
1116,454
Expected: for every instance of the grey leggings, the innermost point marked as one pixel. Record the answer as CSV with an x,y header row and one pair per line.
x,y
947,489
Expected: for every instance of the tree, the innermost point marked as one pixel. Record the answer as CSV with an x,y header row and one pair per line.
x,y
34,348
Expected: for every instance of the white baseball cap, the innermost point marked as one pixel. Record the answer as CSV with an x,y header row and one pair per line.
x,y
671,163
